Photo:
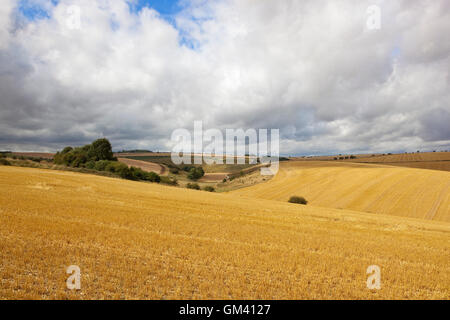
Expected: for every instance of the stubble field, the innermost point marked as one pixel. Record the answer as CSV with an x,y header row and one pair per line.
x,y
371,188
139,240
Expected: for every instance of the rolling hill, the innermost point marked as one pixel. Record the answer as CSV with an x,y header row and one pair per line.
x,y
362,187
141,240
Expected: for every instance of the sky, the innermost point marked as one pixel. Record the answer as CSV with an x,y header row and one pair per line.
x,y
134,71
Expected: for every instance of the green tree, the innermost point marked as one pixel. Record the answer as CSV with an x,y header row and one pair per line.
x,y
100,149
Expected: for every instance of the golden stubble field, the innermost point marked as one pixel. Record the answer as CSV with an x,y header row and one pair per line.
x,y
371,188
138,240
426,160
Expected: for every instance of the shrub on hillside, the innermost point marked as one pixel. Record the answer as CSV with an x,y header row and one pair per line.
x,y
209,189
174,170
153,177
101,165
196,173
194,186
169,181
187,168
90,164
299,200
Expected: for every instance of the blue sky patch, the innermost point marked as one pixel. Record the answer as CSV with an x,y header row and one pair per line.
x,y
167,9
164,7
32,11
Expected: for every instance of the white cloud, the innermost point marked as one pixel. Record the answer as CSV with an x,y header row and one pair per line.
x,y
310,68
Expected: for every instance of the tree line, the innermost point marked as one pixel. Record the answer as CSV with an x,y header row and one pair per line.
x,y
99,156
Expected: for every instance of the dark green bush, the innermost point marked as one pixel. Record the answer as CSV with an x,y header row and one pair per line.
x,y
187,168
174,170
111,166
209,189
299,200
194,186
124,172
153,177
90,164
196,173
101,165
169,181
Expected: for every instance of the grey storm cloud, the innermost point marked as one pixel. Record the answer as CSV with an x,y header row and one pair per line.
x,y
311,68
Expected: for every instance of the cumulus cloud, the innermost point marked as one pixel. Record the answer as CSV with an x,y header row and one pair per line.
x,y
310,68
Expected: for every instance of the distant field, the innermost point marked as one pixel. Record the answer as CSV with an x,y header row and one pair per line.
x,y
407,157
214,168
35,154
144,165
431,165
141,154
136,240
426,160
363,187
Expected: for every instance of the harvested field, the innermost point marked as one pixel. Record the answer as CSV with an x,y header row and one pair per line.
x,y
427,160
35,154
430,165
140,240
407,157
144,165
370,188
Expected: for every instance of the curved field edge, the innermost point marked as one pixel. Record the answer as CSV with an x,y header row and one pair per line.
x,y
134,240
372,188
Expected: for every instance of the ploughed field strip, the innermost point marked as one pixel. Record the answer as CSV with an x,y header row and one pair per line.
x,y
144,165
141,240
371,188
